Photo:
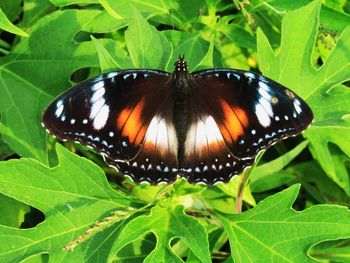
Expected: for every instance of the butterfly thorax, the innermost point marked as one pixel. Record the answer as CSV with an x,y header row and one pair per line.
x,y
181,78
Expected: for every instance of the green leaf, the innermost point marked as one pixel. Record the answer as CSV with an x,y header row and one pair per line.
x,y
274,232
11,8
34,10
231,189
72,195
12,211
235,33
268,176
103,22
317,184
330,18
292,67
189,44
207,61
147,47
6,25
107,62
166,224
126,8
38,69
332,251
62,3
334,20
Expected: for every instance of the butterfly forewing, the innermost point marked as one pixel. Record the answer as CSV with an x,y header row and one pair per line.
x,y
251,111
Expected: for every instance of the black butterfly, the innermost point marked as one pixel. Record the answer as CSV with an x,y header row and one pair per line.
x,y
154,126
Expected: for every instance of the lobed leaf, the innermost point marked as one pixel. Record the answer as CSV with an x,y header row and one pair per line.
x,y
292,67
288,235
166,223
37,70
72,195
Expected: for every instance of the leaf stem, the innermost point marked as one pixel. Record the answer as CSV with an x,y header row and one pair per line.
x,y
239,198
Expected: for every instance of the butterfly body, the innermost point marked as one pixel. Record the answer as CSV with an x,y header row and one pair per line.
x,y
154,126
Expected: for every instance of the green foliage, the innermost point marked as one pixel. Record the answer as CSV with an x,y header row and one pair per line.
x,y
317,86
255,236
56,203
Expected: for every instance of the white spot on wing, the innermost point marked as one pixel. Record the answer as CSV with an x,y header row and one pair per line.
x,y
97,95
111,74
59,110
263,117
267,106
162,135
101,118
263,91
264,86
201,134
249,75
296,104
96,107
97,85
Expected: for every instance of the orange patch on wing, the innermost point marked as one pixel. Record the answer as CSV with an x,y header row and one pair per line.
x,y
148,146
152,148
242,116
225,133
122,118
214,147
232,122
140,135
129,121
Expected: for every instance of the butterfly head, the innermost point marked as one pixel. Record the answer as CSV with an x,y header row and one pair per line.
x,y
181,65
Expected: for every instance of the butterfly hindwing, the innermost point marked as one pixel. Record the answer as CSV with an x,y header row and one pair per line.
x,y
251,111
207,158
156,160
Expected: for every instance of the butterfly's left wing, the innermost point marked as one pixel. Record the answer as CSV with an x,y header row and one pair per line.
x,y
251,111
125,116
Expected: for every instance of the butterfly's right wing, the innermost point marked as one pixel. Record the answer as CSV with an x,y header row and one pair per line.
x,y
234,115
252,111
117,114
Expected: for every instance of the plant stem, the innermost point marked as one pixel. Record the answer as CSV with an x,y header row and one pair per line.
x,y
239,198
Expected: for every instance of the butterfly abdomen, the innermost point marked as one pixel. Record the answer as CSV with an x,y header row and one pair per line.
x,y
181,119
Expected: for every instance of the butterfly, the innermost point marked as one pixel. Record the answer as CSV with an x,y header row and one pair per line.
x,y
154,126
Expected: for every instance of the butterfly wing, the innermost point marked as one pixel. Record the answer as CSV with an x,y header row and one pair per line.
x,y
115,115
251,111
